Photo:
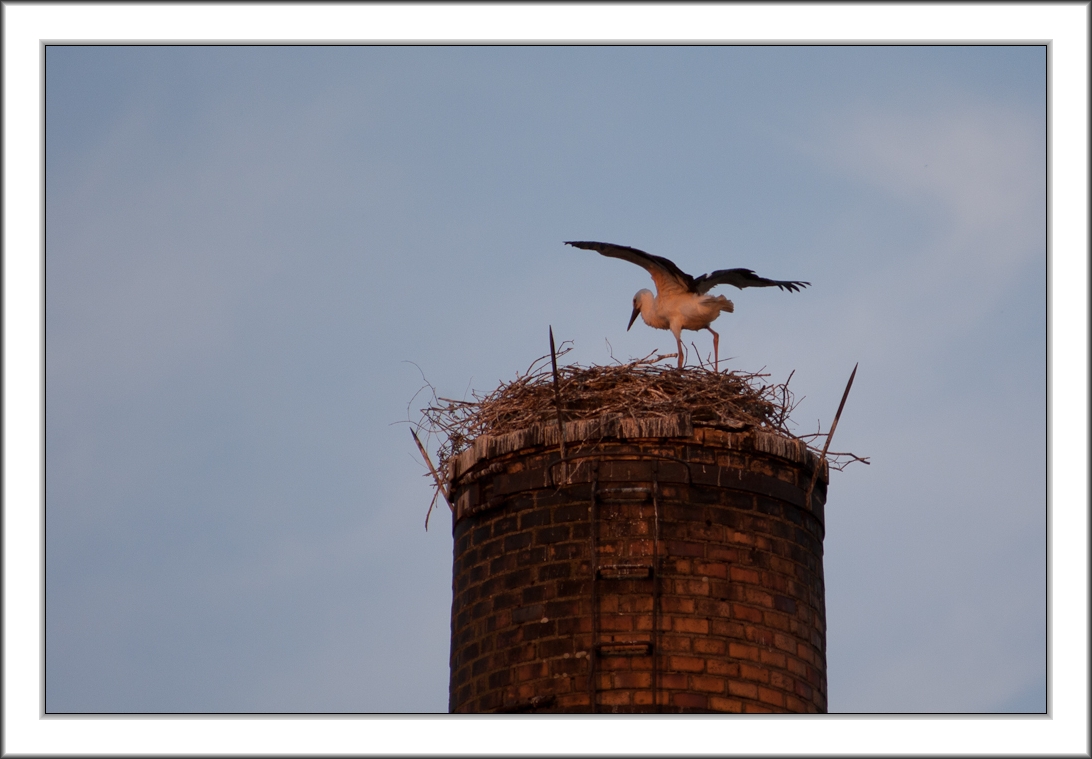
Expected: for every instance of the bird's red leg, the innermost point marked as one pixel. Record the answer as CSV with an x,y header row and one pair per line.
x,y
716,350
678,340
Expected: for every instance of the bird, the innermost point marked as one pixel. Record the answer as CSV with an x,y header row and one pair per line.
x,y
681,301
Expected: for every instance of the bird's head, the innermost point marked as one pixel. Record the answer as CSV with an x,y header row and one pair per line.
x,y
638,303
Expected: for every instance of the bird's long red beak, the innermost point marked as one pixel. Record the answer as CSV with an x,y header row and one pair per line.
x,y
633,317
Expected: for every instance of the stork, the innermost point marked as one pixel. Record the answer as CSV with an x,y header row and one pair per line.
x,y
681,301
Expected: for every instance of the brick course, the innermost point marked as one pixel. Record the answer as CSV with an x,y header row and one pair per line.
x,y
730,618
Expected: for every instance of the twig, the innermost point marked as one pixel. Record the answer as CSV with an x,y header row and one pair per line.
x,y
697,354
610,350
830,435
557,395
852,456
432,503
786,407
439,483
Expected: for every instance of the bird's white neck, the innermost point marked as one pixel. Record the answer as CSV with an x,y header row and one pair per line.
x,y
649,313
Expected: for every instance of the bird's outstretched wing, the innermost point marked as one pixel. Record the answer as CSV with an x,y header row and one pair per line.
x,y
741,278
665,273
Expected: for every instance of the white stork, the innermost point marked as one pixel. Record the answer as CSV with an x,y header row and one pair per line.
x,y
681,301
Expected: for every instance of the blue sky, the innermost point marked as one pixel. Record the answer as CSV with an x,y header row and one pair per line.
x,y
247,245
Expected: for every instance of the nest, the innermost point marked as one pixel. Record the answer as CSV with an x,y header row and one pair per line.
x,y
644,388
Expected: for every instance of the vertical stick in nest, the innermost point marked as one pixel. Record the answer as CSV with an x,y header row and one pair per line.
x,y
826,445
557,399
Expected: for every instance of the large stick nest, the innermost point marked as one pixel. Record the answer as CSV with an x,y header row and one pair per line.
x,y
645,387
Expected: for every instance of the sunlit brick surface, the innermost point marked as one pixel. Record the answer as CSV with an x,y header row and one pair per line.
x,y
724,613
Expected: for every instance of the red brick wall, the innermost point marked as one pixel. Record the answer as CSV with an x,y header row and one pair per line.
x,y
723,613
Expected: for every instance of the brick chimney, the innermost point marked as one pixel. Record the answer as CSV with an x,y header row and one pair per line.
x,y
663,566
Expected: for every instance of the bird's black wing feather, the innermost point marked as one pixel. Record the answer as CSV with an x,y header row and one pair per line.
x,y
639,257
742,278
